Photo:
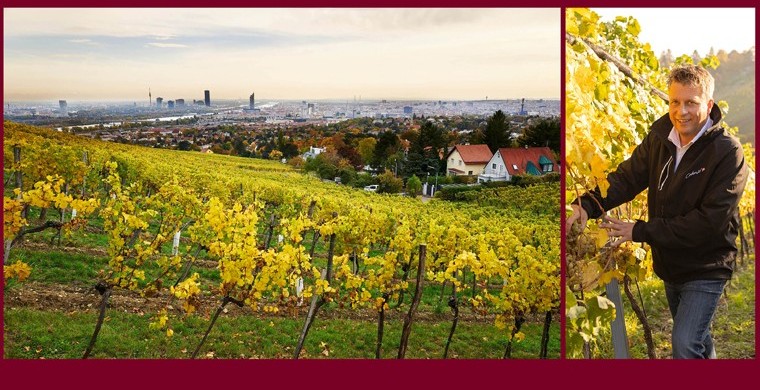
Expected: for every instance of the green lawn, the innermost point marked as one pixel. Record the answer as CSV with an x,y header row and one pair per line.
x,y
32,334
51,330
733,327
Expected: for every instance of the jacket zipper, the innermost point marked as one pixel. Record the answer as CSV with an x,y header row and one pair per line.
x,y
661,184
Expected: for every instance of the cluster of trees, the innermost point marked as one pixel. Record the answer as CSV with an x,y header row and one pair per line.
x,y
543,133
416,154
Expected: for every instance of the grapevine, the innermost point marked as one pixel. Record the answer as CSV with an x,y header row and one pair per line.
x,y
613,93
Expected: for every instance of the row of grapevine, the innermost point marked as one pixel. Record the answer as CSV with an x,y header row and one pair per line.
x,y
230,209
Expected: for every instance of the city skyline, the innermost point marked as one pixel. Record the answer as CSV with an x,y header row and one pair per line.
x,y
394,54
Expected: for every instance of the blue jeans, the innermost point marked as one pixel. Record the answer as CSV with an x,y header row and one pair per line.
x,y
693,306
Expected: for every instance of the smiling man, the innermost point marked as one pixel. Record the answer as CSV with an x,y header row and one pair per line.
x,y
695,173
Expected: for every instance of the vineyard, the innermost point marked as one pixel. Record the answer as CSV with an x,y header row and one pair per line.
x,y
613,94
117,251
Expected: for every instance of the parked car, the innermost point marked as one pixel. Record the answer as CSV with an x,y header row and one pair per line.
x,y
372,188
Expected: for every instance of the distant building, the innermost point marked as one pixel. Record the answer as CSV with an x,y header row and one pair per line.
x,y
63,106
508,162
180,103
408,109
159,102
251,102
207,98
313,152
467,160
170,104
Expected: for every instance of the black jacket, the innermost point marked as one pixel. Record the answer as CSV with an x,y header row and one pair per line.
x,y
693,214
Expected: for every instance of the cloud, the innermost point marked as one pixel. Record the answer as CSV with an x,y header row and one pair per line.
x,y
286,53
166,45
83,41
163,23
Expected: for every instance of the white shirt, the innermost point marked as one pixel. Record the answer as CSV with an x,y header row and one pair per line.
x,y
681,150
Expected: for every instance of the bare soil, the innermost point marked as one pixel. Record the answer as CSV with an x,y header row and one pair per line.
x,y
80,298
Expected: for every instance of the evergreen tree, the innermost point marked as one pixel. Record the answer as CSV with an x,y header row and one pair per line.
x,y
544,133
425,151
496,134
387,145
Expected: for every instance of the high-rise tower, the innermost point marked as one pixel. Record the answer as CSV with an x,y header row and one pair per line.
x,y
150,98
207,97
250,102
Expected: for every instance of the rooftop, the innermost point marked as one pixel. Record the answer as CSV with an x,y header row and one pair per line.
x,y
473,154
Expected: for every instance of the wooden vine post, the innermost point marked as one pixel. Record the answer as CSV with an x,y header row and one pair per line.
x,y
381,328
405,267
454,305
407,328
317,300
545,336
104,290
227,299
651,351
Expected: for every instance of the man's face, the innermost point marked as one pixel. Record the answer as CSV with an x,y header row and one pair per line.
x,y
689,109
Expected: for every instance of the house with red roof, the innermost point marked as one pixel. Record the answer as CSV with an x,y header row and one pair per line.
x,y
508,162
467,160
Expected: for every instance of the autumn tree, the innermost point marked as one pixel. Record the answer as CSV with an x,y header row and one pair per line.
x,y
366,148
388,183
413,186
350,155
275,155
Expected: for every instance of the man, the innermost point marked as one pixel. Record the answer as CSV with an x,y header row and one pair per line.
x,y
695,173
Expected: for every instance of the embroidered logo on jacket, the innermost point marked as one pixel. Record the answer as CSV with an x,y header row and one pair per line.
x,y
694,173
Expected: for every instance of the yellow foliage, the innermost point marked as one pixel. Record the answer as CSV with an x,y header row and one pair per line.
x,y
18,270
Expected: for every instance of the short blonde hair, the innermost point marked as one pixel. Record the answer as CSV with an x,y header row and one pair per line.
x,y
695,76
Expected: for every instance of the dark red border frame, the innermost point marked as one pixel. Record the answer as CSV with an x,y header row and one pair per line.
x,y
368,374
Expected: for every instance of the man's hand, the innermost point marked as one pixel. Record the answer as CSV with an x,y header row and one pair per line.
x,y
618,228
579,214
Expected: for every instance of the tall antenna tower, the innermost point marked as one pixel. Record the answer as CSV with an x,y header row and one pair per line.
x,y
150,98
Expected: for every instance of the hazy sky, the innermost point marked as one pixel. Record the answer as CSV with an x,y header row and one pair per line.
x,y
683,30
87,54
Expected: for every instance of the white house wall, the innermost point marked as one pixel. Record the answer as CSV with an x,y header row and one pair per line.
x,y
499,171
